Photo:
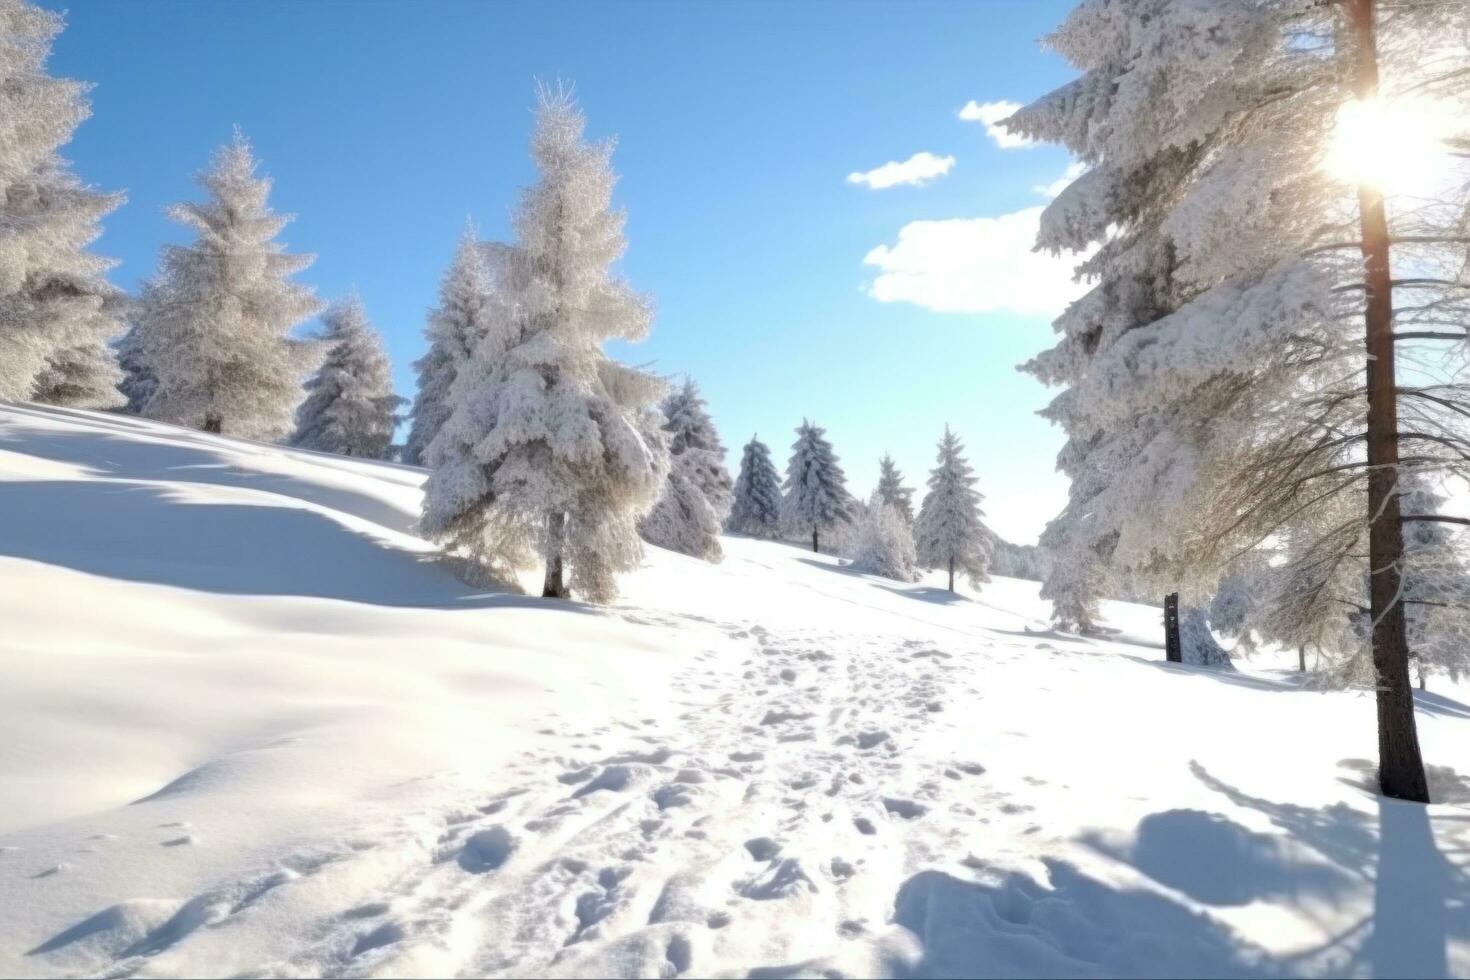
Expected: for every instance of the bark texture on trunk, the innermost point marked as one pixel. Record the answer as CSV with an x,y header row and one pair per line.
x,y
1301,659
556,530
1400,766
814,539
951,573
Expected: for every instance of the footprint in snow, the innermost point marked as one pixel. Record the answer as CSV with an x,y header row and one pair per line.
x,y
762,848
612,778
907,809
487,850
384,935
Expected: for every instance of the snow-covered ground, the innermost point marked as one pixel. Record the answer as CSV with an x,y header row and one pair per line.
x,y
249,726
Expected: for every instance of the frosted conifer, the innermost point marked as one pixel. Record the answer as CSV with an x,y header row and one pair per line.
x,y
757,507
550,446
350,408
56,308
892,491
216,331
697,497
1216,373
467,304
816,489
949,532
885,543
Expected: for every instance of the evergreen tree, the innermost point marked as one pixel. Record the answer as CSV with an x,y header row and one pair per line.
x,y
756,510
816,489
56,308
697,498
138,380
885,543
1436,587
1215,374
949,532
892,491
550,446
466,305
350,406
215,331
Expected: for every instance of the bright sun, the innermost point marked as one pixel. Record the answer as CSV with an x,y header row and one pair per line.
x,y
1397,146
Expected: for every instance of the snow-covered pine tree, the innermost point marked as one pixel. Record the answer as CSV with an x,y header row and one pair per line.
x,y
892,491
350,408
816,489
949,531
697,497
467,303
885,542
756,510
1216,372
683,519
1436,587
85,376
550,446
56,308
138,380
216,332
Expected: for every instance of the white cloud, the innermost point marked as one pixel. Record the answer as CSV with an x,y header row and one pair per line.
x,y
991,113
1074,170
917,169
973,265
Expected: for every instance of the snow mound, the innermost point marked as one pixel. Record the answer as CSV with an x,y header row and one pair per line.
x,y
251,726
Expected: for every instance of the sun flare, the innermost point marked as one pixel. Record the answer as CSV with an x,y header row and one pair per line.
x,y
1397,146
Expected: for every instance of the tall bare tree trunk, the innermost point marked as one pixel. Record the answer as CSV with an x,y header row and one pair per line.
x,y
951,573
1301,659
814,539
1400,767
556,532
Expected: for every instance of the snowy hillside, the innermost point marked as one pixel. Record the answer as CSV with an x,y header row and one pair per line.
x,y
248,726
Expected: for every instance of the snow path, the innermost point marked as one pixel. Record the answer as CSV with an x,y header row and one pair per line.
x,y
246,730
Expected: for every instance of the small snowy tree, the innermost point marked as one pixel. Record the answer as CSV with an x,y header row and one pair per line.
x,y
698,496
138,380
1436,587
756,510
683,520
56,308
949,532
885,543
467,304
215,331
816,489
892,491
350,408
550,445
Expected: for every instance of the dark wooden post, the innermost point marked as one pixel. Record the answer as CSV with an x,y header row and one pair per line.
x,y
1172,651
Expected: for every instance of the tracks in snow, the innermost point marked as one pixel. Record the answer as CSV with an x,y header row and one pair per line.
x,y
771,820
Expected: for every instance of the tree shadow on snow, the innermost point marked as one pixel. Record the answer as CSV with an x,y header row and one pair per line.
x,y
922,592
1323,854
927,593
144,533
1072,926
209,461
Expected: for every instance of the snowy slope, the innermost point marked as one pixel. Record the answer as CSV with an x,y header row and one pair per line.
x,y
248,726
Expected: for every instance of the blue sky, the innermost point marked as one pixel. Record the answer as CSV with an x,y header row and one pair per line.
x,y
385,125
